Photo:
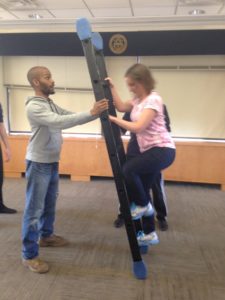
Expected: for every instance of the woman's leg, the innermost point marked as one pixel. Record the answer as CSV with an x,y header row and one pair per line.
x,y
3,209
1,179
159,197
140,174
148,163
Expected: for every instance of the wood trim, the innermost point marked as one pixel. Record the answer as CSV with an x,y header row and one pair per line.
x,y
81,158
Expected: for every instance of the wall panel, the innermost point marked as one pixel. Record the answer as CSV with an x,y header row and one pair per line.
x,y
82,158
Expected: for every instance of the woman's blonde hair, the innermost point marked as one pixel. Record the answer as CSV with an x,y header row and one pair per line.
x,y
141,74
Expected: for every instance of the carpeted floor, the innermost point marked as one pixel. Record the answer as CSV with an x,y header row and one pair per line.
x,y
188,264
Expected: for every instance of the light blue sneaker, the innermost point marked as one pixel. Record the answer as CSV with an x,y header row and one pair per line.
x,y
143,249
150,211
139,211
147,239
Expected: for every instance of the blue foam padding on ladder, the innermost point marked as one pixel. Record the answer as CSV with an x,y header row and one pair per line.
x,y
140,270
97,41
83,29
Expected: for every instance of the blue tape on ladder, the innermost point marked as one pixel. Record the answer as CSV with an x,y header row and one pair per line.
x,y
83,29
140,270
97,41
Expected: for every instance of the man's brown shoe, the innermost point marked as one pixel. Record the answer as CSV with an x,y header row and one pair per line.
x,y
53,241
36,265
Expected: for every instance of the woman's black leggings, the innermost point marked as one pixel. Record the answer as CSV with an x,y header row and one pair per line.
x,y
1,177
140,172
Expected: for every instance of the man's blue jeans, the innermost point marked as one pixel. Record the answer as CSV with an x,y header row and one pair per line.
x,y
39,213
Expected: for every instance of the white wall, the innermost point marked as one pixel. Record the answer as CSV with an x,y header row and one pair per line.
x,y
195,98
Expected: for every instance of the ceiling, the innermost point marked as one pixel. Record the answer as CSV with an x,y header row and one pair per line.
x,y
111,15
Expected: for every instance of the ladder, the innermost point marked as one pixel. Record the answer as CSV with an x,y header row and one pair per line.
x,y
92,44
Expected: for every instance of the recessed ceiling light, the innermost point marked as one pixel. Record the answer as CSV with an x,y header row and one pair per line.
x,y
35,16
196,12
19,4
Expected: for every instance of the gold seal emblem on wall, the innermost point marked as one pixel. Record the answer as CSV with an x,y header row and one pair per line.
x,y
118,43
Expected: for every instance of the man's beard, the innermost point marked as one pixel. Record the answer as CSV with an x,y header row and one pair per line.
x,y
47,91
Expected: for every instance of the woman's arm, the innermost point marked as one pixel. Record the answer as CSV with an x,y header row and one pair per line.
x,y
5,141
117,101
145,119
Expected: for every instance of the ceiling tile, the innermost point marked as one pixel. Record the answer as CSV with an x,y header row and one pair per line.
x,y
107,4
112,12
71,13
146,3
154,11
209,9
4,15
18,4
200,2
222,11
24,15
64,4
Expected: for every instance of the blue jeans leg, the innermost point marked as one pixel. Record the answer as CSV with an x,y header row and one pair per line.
x,y
39,212
48,217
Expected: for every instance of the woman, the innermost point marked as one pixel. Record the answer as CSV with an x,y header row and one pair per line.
x,y
158,190
157,149
4,139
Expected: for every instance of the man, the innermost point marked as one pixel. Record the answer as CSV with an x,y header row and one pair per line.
x,y
46,120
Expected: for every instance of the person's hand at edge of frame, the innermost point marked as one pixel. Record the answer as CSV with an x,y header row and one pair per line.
x,y
7,155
